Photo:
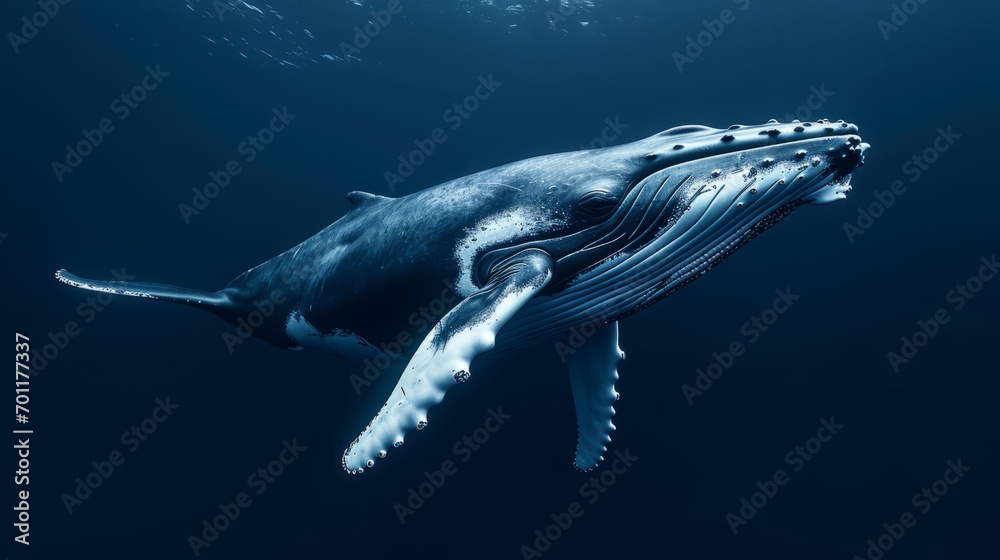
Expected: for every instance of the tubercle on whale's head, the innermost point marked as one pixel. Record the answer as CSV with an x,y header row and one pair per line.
x,y
779,158
769,148
696,186
684,144
593,195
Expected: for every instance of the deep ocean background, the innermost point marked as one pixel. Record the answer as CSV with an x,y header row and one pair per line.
x,y
825,357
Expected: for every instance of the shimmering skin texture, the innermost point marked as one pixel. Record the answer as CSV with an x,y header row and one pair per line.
x,y
528,252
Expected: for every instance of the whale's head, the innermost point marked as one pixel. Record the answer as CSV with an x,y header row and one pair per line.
x,y
743,167
642,219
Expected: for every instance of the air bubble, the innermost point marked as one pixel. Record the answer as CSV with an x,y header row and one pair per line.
x,y
421,424
716,173
370,463
800,154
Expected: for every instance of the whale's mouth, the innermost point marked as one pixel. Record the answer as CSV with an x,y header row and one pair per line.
x,y
712,193
823,151
720,181
813,171
842,165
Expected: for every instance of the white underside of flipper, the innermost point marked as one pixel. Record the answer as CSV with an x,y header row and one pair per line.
x,y
593,370
442,360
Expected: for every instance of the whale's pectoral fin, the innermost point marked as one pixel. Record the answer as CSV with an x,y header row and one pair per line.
x,y
442,359
593,370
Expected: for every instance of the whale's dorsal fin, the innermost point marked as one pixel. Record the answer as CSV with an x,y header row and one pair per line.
x,y
361,199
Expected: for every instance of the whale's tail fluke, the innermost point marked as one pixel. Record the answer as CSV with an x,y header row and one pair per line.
x,y
217,302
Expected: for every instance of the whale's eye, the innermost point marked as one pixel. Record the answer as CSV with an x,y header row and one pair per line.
x,y
597,203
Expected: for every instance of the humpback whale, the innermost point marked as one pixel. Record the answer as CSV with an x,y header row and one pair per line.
x,y
525,253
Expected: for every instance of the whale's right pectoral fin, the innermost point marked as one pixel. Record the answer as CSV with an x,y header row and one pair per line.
x,y
442,359
593,370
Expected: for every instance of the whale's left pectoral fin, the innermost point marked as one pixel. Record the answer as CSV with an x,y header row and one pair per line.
x,y
442,359
593,370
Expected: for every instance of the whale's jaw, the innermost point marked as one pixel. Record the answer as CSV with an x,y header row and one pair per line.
x,y
681,220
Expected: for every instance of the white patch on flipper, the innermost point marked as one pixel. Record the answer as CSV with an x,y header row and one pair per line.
x,y
429,375
492,231
339,342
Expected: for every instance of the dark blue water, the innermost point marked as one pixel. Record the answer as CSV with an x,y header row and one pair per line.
x,y
859,289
